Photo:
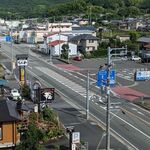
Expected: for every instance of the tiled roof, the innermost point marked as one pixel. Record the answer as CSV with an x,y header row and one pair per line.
x,y
84,37
54,43
144,40
92,28
50,34
147,46
8,111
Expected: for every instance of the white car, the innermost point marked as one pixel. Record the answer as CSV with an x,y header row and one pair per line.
x,y
15,94
135,58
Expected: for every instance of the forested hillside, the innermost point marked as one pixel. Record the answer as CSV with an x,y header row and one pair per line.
x,y
48,8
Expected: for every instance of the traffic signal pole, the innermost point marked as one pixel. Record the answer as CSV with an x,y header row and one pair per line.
x,y
87,96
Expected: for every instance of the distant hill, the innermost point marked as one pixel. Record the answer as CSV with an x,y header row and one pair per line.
x,y
25,5
12,9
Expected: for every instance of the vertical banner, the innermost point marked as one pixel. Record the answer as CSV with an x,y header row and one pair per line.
x,y
22,75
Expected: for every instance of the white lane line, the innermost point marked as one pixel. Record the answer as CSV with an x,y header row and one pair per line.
x,y
30,67
140,113
134,109
52,73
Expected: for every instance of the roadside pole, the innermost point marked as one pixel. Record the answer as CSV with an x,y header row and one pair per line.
x,y
87,96
108,103
12,63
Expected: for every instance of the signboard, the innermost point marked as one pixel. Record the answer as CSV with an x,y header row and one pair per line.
x,y
2,39
75,137
22,62
47,95
2,82
102,78
142,75
8,38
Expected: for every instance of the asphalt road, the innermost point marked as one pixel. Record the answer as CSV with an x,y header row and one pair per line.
x,y
125,125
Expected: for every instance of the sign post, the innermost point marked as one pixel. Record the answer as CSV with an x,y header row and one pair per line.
x,y
22,62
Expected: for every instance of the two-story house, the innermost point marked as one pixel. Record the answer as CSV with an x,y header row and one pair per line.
x,y
86,42
144,48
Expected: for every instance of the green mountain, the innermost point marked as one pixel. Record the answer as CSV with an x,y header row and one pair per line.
x,y
20,8
12,9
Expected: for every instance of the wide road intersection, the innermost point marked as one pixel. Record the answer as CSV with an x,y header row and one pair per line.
x,y
128,122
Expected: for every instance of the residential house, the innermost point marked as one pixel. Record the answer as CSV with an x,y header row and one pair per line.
x,y
143,41
144,48
55,36
9,118
13,120
85,42
48,38
146,53
56,48
84,22
131,24
59,27
123,38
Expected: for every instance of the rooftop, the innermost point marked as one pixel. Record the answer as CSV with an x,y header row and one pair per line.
x,y
84,36
144,40
8,111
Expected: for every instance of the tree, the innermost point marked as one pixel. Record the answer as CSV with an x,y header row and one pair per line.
x,y
65,51
31,139
134,36
26,91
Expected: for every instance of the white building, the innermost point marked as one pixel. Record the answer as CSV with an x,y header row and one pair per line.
x,y
59,27
56,48
55,36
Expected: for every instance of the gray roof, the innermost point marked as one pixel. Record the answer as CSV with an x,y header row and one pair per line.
x,y
84,37
8,111
91,28
144,40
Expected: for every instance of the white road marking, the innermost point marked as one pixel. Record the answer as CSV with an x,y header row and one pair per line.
x,y
52,73
134,109
140,113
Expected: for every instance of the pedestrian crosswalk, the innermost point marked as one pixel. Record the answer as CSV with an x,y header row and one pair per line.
x,y
127,74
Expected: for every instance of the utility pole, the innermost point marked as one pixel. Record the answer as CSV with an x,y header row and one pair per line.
x,y
87,96
59,41
108,102
11,50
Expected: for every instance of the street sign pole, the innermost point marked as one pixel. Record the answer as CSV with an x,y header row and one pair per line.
x,y
11,51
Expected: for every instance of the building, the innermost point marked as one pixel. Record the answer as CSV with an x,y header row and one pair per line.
x,y
145,48
56,48
85,42
123,38
9,135
59,27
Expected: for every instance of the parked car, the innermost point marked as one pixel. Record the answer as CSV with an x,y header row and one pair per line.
x,y
77,58
15,94
135,58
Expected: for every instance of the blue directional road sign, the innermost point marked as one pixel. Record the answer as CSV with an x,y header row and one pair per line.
x,y
102,78
142,75
8,38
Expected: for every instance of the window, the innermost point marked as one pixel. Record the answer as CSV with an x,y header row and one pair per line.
x,y
91,41
0,131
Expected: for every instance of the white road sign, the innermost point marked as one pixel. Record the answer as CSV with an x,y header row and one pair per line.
x,y
75,137
22,62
